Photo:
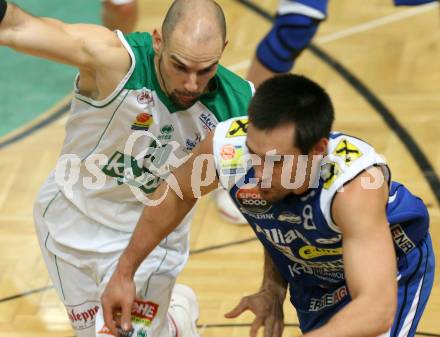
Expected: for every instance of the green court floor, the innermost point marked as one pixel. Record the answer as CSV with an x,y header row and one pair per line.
x,y
30,86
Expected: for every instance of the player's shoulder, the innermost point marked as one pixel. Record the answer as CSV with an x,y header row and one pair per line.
x,y
232,128
139,40
347,157
341,143
232,95
235,84
140,47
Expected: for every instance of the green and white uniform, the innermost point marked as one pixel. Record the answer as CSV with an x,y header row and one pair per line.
x,y
94,220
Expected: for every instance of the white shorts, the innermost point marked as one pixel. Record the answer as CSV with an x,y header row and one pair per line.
x,y
80,277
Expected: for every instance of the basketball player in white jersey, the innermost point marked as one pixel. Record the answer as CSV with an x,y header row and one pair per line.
x,y
140,103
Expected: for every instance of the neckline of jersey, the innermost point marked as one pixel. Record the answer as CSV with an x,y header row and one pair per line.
x,y
173,107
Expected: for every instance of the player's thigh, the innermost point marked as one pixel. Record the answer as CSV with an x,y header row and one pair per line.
x,y
75,287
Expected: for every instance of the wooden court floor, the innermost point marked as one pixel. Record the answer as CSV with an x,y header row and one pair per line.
x,y
394,52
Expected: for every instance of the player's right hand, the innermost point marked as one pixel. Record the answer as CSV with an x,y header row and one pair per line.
x,y
268,310
117,302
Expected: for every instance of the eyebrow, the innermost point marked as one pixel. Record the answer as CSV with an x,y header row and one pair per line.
x,y
176,59
263,156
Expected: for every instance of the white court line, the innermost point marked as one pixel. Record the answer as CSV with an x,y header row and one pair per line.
x,y
363,27
240,66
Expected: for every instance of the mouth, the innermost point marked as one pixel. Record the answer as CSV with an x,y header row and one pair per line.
x,y
187,99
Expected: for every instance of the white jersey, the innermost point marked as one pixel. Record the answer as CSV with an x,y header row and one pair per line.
x,y
120,148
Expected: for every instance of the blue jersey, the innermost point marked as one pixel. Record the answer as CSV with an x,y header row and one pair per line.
x,y
298,231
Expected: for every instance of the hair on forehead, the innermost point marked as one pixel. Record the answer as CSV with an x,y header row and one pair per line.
x,y
182,10
293,99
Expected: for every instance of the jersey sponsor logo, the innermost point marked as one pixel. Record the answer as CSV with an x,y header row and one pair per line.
x,y
227,152
264,216
231,159
144,312
311,252
190,144
329,173
209,122
250,199
347,151
401,239
142,316
276,236
82,316
329,299
280,241
297,269
143,122
238,128
329,241
146,97
126,170
290,217
166,132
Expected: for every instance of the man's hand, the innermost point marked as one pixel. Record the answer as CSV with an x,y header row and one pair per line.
x,y
268,310
117,302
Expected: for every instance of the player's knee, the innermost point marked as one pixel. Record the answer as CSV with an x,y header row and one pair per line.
x,y
289,36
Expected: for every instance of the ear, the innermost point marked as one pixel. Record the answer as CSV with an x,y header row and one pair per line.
x,y
224,46
157,41
321,147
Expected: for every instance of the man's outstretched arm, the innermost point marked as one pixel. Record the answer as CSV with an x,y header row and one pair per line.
x,y
82,45
155,223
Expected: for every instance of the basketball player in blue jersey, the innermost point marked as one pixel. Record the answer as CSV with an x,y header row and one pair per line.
x,y
295,25
351,245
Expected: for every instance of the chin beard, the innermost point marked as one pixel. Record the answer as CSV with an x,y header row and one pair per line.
x,y
175,99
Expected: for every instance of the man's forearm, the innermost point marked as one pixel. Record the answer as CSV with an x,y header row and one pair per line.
x,y
272,279
153,226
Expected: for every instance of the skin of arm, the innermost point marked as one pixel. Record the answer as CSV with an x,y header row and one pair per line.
x,y
267,304
369,260
153,226
272,279
95,50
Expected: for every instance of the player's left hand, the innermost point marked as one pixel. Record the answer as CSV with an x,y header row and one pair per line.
x,y
268,310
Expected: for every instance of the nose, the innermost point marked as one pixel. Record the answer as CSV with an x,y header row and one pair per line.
x,y
191,84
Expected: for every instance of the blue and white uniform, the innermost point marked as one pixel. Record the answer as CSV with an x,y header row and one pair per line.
x,y
305,243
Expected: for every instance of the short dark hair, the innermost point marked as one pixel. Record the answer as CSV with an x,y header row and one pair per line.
x,y
293,99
